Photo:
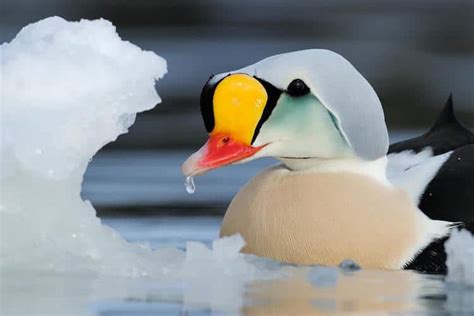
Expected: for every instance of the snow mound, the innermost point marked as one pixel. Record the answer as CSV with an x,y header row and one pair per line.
x,y
460,262
68,88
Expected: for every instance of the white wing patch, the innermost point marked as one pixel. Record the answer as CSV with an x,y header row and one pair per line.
x,y
412,172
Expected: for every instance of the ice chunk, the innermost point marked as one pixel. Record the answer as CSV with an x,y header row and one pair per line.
x,y
68,88
349,265
223,266
460,261
223,272
224,258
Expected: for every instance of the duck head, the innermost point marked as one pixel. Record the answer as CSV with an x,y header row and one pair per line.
x,y
299,105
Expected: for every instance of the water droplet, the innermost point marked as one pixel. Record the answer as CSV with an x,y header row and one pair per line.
x,y
189,185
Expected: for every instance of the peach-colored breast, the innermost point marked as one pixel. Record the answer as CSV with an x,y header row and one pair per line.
x,y
324,218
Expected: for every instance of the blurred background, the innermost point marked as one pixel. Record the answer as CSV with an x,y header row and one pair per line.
x,y
413,52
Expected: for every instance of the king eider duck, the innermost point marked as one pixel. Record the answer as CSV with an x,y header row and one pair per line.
x,y
330,198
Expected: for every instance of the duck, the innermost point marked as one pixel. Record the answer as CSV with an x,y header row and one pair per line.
x,y
329,199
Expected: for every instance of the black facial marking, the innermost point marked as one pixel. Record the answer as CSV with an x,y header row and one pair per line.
x,y
297,88
273,96
207,109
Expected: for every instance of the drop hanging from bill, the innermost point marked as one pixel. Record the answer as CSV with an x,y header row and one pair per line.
x,y
189,185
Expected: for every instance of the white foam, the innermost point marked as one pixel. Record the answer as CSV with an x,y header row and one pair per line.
x,y
460,262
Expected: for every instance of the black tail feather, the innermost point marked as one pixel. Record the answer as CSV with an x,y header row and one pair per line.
x,y
433,258
446,116
446,135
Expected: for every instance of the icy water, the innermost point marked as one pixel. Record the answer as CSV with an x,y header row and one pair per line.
x,y
141,195
307,291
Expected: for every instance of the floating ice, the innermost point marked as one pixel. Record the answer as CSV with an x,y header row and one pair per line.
x,y
460,262
349,265
189,185
216,276
68,88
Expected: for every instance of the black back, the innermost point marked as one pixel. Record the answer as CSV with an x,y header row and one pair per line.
x,y
450,195
432,259
446,135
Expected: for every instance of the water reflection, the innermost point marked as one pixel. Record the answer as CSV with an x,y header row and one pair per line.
x,y
360,292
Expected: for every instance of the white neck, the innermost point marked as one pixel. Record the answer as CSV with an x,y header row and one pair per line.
x,y
375,168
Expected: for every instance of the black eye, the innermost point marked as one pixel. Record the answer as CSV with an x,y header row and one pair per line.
x,y
297,88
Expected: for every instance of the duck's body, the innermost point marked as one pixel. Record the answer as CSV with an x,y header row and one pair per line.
x,y
326,217
330,200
